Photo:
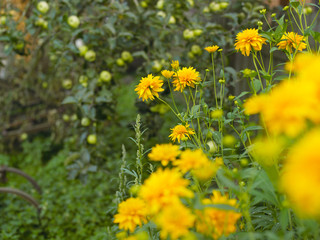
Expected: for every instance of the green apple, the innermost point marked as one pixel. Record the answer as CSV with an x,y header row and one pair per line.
x,y
23,136
3,20
143,4
188,34
67,84
74,117
105,76
90,56
157,66
120,62
73,21
197,32
160,4
43,7
44,85
196,50
161,14
172,20
126,56
190,55
224,5
85,122
92,139
83,50
214,7
66,117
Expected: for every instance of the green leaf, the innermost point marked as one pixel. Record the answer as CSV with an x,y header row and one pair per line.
x,y
69,99
256,84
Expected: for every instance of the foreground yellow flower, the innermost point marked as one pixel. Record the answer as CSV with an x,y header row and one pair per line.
x,y
185,77
181,132
255,104
292,40
247,40
175,221
288,107
216,222
165,153
163,188
212,49
190,160
131,213
149,87
300,178
167,74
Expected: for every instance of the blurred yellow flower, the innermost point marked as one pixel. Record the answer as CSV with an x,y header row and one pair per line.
x,y
208,170
247,40
267,151
292,40
217,222
165,153
163,188
190,160
149,87
181,132
175,221
300,178
167,74
131,212
255,104
212,49
175,65
185,77
288,107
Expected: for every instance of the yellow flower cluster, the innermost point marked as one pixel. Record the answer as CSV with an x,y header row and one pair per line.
x,y
159,198
292,40
301,176
247,40
164,153
289,107
131,213
217,222
181,132
185,77
149,87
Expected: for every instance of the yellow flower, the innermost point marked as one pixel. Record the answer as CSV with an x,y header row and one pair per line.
x,y
190,160
181,132
255,104
248,39
208,170
300,178
185,77
212,49
292,40
175,65
175,221
165,153
267,151
163,188
301,62
217,222
288,107
149,87
131,213
167,74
